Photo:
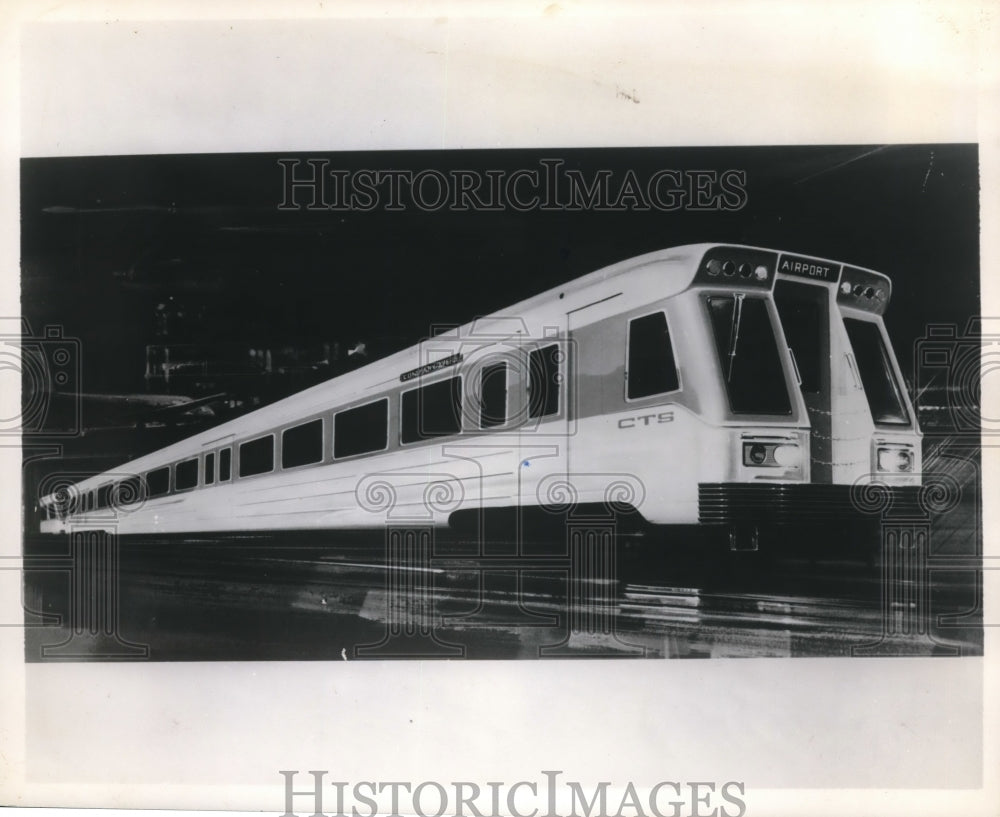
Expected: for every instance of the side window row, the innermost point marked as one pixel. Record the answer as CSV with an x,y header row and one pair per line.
x,y
185,474
426,412
435,410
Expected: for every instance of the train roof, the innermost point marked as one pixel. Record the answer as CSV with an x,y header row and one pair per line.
x,y
674,269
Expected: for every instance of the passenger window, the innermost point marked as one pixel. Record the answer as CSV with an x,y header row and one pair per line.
x,y
432,411
257,456
361,430
543,381
158,482
225,464
302,444
650,368
128,491
493,396
186,475
209,469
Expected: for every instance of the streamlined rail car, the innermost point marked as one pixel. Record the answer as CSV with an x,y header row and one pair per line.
x,y
708,384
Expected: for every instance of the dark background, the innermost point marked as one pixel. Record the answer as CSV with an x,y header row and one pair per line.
x,y
105,240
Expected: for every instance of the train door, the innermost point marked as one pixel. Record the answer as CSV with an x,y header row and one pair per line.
x,y
542,434
217,478
597,360
804,310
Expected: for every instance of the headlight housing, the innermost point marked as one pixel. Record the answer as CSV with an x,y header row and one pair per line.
x,y
894,459
777,454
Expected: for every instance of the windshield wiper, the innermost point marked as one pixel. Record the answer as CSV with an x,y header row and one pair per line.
x,y
734,333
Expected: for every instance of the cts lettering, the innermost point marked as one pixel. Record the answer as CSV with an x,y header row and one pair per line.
x,y
646,419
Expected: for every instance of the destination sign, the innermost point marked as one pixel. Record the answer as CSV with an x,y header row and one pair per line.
x,y
437,365
808,268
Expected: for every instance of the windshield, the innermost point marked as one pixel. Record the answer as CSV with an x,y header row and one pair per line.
x,y
803,309
875,367
748,354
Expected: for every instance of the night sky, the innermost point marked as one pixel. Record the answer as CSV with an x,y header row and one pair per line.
x,y
106,239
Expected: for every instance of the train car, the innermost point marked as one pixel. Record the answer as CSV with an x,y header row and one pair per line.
x,y
725,386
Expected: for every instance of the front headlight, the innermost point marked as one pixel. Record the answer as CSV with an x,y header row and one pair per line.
x,y
772,454
895,459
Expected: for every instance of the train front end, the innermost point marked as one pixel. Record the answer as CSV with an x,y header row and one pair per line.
x,y
808,398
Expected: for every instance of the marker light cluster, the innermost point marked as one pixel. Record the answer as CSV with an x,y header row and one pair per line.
x,y
861,291
730,269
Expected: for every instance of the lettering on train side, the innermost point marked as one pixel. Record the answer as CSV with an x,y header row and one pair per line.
x,y
444,363
641,420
